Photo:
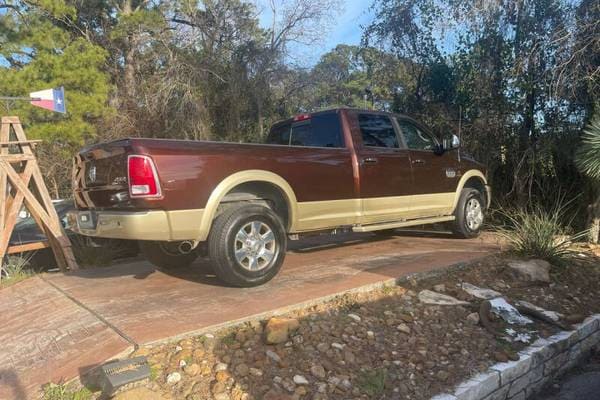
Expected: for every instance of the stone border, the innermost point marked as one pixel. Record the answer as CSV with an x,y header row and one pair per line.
x,y
538,364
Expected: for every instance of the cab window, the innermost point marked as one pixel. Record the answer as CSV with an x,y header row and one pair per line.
x,y
321,130
416,138
377,131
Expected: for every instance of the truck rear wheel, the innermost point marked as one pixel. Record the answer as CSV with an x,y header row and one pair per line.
x,y
469,214
167,255
247,245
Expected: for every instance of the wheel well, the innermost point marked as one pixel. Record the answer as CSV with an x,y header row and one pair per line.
x,y
477,183
260,192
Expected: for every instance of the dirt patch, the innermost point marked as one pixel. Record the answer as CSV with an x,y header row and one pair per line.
x,y
382,344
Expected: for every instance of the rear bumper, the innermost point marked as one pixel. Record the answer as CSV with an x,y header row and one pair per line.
x,y
138,225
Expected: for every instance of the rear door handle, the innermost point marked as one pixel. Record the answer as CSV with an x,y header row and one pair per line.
x,y
369,160
418,161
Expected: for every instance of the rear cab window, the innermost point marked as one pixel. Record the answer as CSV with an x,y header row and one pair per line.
x,y
317,130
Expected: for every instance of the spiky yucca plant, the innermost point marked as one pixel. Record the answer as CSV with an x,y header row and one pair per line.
x,y
588,156
588,161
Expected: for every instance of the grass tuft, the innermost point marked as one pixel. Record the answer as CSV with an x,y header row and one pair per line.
x,y
53,391
15,269
372,382
538,233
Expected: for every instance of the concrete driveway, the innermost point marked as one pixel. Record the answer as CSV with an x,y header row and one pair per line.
x,y
58,326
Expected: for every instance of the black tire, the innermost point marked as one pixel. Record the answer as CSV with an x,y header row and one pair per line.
x,y
165,255
461,226
222,244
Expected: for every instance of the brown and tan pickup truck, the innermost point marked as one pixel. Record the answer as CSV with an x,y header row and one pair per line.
x,y
340,169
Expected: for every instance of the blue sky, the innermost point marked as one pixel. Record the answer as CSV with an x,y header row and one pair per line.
x,y
346,29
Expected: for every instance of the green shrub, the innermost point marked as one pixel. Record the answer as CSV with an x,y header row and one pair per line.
x,y
54,391
16,269
538,233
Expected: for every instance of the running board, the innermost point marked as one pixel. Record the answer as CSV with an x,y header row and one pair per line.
x,y
401,224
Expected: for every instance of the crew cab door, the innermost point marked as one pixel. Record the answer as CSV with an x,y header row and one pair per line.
x,y
435,174
384,167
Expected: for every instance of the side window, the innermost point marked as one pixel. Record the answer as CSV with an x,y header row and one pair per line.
x,y
279,134
377,131
322,130
415,138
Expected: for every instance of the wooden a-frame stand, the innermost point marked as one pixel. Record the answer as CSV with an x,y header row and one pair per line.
x,y
25,185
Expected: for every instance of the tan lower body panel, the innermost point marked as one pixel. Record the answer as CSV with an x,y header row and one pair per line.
x,y
315,215
330,214
144,225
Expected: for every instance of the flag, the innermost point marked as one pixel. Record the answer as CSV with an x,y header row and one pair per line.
x,y
50,99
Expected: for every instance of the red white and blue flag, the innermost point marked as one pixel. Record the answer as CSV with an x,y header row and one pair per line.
x,y
50,99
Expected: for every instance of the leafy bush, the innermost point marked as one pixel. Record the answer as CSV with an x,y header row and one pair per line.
x,y
16,269
372,382
538,233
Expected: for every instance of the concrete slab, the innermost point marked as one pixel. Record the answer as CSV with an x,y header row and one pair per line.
x,y
44,336
150,305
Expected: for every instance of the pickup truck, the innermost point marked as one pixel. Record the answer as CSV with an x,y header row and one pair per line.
x,y
340,169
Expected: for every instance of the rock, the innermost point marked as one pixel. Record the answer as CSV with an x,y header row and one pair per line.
x,y
337,346
473,318
288,385
222,376
429,297
278,330
442,376
318,371
406,317
273,356
440,288
507,312
322,347
139,393
242,370
500,356
219,387
403,328
300,380
256,372
192,369
354,317
275,395
370,335
480,293
220,367
182,363
173,378
221,396
532,270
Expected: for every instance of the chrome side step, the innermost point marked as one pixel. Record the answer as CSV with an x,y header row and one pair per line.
x,y
401,224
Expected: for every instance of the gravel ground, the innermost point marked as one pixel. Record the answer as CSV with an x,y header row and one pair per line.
x,y
380,345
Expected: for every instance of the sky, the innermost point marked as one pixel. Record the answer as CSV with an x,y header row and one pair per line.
x,y
345,29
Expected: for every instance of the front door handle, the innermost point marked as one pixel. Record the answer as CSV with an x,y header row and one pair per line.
x,y
418,161
369,160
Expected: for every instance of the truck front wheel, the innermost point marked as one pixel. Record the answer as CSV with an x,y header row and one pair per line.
x,y
469,214
247,245
167,255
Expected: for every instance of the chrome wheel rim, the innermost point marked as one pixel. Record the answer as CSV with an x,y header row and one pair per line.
x,y
474,214
255,246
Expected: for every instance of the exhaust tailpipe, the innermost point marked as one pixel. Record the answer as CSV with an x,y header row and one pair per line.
x,y
186,247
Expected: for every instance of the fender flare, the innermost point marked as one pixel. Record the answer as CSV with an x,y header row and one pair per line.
x,y
254,175
463,180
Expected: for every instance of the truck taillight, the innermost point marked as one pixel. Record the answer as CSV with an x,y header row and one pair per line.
x,y
143,178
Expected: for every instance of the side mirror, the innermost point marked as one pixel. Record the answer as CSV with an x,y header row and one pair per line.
x,y
452,142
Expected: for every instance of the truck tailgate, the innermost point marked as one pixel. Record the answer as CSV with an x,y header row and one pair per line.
x,y
100,176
